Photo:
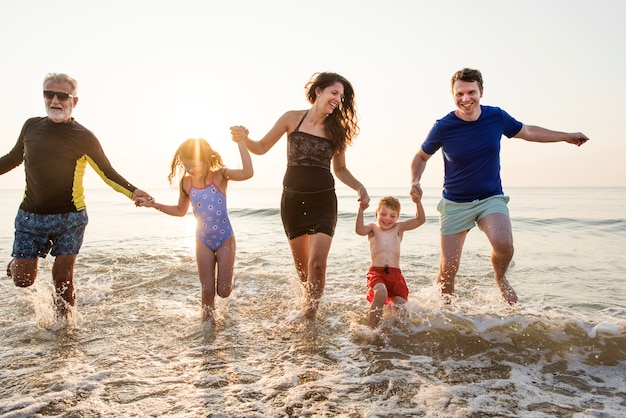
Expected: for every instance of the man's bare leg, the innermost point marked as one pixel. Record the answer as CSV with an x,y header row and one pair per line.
x,y
63,276
497,227
451,249
23,271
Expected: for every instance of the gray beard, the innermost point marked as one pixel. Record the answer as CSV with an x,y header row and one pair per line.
x,y
58,116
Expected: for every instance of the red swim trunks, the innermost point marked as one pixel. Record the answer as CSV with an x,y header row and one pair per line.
x,y
393,280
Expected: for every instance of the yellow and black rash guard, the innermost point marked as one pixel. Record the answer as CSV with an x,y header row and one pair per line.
x,y
55,156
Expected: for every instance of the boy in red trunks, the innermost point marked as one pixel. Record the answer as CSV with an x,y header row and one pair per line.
x,y
385,282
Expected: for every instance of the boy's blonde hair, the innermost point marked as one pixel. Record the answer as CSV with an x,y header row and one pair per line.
x,y
389,201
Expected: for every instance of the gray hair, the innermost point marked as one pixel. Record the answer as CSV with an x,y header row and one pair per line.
x,y
61,78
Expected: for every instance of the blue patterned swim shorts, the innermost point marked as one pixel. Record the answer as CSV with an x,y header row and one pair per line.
x,y
37,234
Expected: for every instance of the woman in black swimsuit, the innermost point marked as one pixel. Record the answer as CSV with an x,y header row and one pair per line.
x,y
315,137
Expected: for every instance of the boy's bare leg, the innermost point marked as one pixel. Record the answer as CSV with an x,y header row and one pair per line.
x,y
376,308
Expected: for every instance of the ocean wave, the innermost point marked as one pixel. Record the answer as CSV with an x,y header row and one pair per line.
x,y
615,225
518,338
252,212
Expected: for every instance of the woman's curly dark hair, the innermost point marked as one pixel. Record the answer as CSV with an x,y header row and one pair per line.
x,y
341,125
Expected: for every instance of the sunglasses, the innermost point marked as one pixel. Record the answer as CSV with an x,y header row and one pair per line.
x,y
63,97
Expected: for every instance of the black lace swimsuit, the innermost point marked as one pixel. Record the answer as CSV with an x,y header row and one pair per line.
x,y
309,202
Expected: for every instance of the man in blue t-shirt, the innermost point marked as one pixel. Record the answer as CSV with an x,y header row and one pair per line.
x,y
472,191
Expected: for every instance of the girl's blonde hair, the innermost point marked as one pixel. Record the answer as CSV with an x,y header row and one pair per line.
x,y
196,149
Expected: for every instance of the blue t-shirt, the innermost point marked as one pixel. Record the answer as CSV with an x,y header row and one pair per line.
x,y
471,152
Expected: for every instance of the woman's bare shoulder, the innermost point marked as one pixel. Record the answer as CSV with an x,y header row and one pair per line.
x,y
291,119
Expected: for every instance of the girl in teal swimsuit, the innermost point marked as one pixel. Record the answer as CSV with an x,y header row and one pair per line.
x,y
203,183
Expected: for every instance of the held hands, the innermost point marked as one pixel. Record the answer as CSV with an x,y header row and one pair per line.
x,y
416,192
140,195
239,133
364,198
145,202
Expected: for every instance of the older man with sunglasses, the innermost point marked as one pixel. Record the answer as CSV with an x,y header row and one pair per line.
x,y
52,217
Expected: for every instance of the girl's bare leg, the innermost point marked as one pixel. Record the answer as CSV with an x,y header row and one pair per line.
x,y
226,267
206,260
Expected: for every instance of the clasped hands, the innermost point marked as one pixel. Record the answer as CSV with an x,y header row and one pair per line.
x,y
239,133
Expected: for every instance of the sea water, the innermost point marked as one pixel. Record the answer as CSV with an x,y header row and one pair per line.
x,y
136,344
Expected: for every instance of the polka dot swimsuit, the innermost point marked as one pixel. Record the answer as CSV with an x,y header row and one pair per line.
x,y
209,208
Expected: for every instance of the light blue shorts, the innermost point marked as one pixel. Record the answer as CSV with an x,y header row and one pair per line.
x,y
459,217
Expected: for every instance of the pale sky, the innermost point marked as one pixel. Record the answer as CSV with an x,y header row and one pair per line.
x,y
154,73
